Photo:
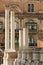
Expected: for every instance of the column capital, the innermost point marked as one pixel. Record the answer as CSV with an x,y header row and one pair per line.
x,y
7,8
12,12
20,29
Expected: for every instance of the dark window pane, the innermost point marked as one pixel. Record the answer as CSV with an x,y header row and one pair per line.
x,y
28,7
0,25
32,7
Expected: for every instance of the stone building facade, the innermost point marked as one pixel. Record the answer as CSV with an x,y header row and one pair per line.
x,y
32,18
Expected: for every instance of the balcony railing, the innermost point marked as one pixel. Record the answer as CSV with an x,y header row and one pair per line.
x,y
32,30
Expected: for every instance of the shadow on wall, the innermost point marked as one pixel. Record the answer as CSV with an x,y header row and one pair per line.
x,y
1,56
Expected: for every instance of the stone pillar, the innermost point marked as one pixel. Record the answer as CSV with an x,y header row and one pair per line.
x,y
4,62
24,55
15,62
10,61
6,28
7,61
12,30
41,56
20,24
19,55
20,38
25,38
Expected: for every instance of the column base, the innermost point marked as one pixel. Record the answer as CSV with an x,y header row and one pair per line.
x,y
7,61
10,50
9,56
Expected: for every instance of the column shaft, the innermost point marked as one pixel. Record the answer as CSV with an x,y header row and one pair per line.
x,y
6,28
20,24
7,61
12,30
25,38
20,38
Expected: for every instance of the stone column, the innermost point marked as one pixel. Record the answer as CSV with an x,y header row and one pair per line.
x,y
19,54
12,30
4,61
20,24
15,62
6,28
25,38
41,56
20,38
7,61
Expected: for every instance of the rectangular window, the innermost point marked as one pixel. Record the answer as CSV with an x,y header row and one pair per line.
x,y
30,7
0,26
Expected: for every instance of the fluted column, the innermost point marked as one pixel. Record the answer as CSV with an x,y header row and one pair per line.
x,y
12,30
25,38
20,38
6,28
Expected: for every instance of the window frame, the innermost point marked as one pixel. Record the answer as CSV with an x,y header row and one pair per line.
x,y
30,7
